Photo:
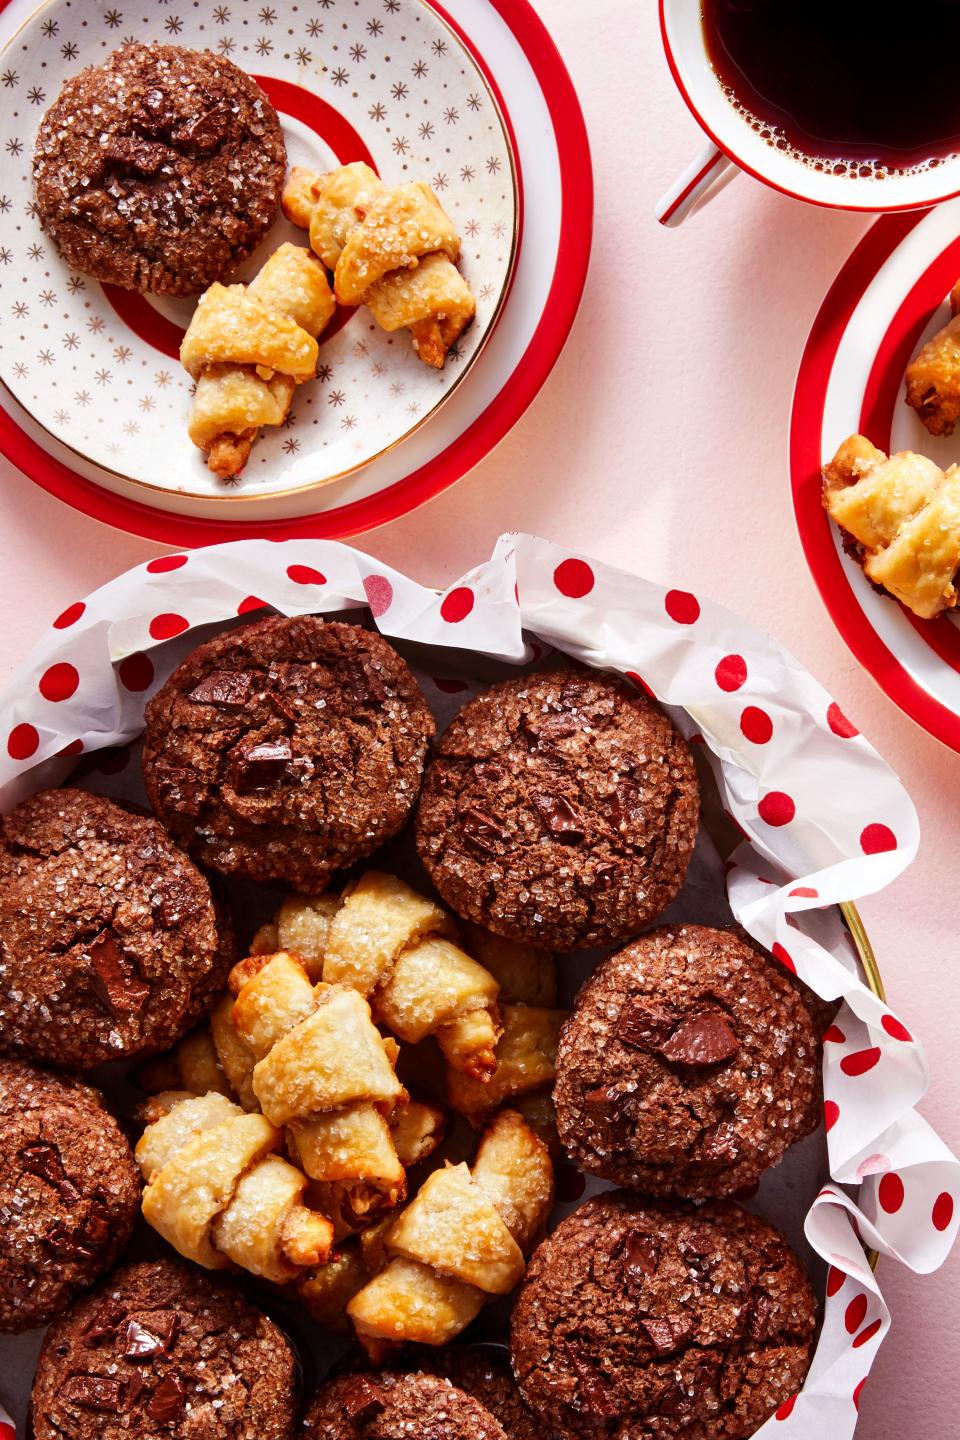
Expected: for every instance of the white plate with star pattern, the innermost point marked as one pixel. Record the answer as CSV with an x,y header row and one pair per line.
x,y
95,368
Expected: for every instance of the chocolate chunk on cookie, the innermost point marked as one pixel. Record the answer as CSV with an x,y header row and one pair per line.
x,y
69,1192
389,1406
286,750
158,1351
639,1318
160,169
559,808
109,940
689,1065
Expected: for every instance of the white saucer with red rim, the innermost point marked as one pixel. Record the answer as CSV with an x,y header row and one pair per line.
x,y
888,299
495,52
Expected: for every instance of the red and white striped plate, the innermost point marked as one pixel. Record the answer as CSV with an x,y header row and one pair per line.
x,y
509,44
887,300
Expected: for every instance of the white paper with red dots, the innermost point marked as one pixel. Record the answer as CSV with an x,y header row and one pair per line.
x,y
823,819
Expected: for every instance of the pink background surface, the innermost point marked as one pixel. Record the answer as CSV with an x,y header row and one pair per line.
x,y
660,444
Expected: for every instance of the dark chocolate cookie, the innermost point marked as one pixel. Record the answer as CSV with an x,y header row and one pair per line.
x,y
286,750
109,941
69,1192
483,1371
559,808
397,1407
160,1351
160,169
641,1321
689,1065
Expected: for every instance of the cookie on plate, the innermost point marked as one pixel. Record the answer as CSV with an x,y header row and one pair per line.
x,y
160,169
287,749
689,1065
158,1351
638,1318
109,940
69,1192
560,808
389,1406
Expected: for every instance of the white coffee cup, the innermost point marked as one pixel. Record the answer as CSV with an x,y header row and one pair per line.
x,y
735,145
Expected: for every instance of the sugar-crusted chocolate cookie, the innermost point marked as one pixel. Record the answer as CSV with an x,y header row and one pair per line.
x,y
638,1319
389,1406
560,808
69,1192
160,1351
483,1371
286,750
689,1065
160,169
109,943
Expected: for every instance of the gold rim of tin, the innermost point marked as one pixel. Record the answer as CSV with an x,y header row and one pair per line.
x,y
309,485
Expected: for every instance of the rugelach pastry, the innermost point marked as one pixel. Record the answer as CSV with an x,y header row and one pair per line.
x,y
69,1192
559,808
689,1066
221,1195
160,169
248,347
286,750
391,249
639,1319
391,1406
162,1352
933,377
110,943
900,517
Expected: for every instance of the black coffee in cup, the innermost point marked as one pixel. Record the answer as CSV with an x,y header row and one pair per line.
x,y
856,87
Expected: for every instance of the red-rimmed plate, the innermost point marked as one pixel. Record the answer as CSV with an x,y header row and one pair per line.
x,y
888,299
522,69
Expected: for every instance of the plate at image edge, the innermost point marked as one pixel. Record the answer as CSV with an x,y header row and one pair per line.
x,y
889,298
358,451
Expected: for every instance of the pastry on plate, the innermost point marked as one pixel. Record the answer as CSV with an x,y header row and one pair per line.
x,y
248,347
160,169
900,517
559,808
689,1066
110,942
388,1406
286,750
637,1318
393,249
162,1350
933,377
69,1192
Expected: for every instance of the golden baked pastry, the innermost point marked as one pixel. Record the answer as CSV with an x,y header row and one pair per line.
x,y
193,1065
461,1241
392,249
323,1071
933,377
398,949
526,1056
220,1195
248,347
901,520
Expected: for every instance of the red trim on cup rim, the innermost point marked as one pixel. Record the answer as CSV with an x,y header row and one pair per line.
x,y
923,204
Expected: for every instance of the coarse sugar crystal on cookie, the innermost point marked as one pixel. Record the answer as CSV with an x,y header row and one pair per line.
x,y
160,169
639,1318
390,1406
560,807
689,1065
69,1192
161,1350
110,945
287,749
